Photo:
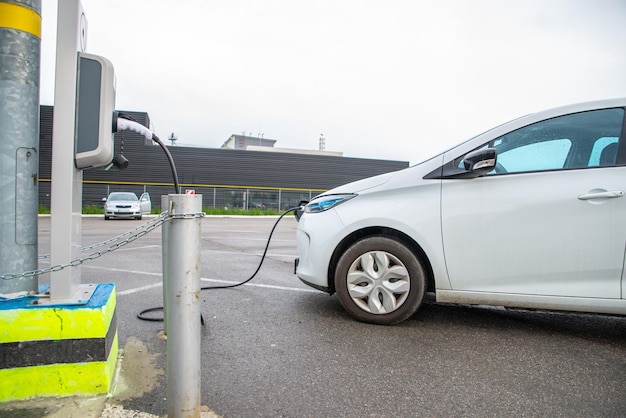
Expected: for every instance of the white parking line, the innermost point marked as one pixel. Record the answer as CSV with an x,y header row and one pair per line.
x,y
264,239
223,282
252,254
268,286
143,247
121,270
139,289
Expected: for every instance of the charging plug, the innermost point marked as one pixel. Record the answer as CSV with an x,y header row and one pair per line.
x,y
300,209
123,124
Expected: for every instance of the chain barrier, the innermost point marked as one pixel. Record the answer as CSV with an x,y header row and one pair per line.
x,y
113,244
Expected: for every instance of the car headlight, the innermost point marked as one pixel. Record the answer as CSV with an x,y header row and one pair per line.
x,y
326,202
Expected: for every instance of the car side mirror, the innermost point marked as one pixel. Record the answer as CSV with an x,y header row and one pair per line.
x,y
474,164
481,161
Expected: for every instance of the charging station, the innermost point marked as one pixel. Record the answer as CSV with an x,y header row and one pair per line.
x,y
95,102
63,342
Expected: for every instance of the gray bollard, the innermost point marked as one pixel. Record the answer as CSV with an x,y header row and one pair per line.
x,y
165,207
181,281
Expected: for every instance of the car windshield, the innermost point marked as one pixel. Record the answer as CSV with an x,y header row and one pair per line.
x,y
122,196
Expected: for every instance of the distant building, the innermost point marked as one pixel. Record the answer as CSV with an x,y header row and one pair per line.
x,y
225,177
255,143
244,141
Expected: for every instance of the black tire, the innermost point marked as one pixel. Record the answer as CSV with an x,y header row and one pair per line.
x,y
138,218
398,293
106,218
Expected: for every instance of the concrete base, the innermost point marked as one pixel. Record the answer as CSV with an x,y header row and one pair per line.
x,y
48,350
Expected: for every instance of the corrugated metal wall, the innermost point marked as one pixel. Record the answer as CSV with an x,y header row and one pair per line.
x,y
200,168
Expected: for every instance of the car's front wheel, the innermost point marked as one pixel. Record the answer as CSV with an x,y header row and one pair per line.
x,y
380,281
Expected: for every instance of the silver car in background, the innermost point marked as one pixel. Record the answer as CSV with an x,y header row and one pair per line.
x,y
126,205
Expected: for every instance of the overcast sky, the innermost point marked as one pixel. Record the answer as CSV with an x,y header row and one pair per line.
x,y
393,79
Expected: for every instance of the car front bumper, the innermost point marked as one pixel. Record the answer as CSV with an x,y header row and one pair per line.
x,y
122,214
317,237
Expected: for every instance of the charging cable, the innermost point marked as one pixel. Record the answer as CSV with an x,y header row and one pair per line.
x,y
141,315
124,122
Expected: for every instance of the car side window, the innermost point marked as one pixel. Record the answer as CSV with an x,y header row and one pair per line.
x,y
604,152
579,140
538,156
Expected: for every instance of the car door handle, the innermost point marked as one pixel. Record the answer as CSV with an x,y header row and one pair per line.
x,y
601,195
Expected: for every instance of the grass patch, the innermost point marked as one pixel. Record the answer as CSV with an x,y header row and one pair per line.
x,y
238,211
99,210
93,210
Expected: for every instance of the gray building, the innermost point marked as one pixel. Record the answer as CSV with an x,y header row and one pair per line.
x,y
244,141
226,177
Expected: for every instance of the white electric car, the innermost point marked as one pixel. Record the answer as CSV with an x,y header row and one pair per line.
x,y
530,214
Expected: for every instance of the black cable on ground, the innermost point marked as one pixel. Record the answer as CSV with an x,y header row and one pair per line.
x,y
141,315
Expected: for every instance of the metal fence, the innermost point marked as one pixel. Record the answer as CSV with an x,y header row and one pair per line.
x,y
213,196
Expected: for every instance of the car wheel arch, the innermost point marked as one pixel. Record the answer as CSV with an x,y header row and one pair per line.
x,y
383,232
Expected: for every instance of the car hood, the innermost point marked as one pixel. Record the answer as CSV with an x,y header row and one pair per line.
x,y
400,178
361,185
122,202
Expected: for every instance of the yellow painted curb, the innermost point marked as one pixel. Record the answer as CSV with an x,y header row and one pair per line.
x,y
59,379
57,323
45,350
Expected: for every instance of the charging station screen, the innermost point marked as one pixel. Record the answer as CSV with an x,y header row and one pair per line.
x,y
88,105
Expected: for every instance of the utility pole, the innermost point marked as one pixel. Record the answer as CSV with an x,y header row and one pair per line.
x,y
20,36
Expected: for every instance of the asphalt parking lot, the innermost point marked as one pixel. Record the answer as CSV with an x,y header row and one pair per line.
x,y
276,348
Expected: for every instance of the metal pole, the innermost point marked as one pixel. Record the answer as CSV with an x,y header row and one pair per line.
x,y
165,207
182,305
66,190
20,46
